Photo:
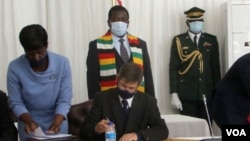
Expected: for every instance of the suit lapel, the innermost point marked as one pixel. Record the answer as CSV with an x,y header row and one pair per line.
x,y
201,41
189,42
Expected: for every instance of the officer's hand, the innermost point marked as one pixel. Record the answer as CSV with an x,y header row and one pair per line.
x,y
176,103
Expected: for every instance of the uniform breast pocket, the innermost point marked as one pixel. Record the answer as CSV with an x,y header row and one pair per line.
x,y
186,50
206,52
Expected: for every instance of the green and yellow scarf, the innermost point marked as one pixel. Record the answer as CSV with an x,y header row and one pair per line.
x,y
107,60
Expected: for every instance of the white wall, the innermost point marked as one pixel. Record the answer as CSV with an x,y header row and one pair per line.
x,y
71,24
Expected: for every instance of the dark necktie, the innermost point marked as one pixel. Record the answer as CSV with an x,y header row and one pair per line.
x,y
123,51
125,108
195,41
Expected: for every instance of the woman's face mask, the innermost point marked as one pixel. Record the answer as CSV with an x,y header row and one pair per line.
x,y
119,28
37,63
196,26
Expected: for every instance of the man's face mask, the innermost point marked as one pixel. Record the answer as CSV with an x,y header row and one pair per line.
x,y
196,26
37,63
119,28
125,94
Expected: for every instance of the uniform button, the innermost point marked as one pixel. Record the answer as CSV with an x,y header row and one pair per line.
x,y
181,80
200,79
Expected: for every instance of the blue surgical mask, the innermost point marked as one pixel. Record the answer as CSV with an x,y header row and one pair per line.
x,y
119,28
196,26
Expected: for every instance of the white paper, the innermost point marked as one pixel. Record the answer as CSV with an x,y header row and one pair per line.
x,y
39,134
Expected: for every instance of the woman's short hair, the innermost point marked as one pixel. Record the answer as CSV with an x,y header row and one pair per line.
x,y
33,37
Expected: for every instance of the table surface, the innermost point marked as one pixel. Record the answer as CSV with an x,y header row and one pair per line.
x,y
76,139
178,125
171,139
186,126
73,138
193,138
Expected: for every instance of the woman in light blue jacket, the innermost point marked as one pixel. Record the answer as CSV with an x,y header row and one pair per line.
x,y
39,85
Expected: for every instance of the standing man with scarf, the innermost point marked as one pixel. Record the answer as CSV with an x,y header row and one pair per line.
x,y
194,67
109,52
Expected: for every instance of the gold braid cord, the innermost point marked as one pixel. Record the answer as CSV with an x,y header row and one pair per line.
x,y
184,58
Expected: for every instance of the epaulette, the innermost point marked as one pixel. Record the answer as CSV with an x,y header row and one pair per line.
x,y
182,34
207,34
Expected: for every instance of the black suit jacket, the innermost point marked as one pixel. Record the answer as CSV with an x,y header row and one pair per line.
x,y
93,74
144,117
231,97
8,131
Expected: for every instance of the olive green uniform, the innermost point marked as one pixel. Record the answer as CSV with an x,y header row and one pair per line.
x,y
194,71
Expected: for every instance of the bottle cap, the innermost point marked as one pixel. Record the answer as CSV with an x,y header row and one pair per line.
x,y
110,123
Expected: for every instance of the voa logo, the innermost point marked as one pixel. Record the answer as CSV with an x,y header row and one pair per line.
x,y
236,132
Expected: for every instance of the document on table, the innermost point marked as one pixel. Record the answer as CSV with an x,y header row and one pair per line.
x,y
39,134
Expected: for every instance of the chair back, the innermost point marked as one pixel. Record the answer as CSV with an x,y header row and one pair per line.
x,y
77,115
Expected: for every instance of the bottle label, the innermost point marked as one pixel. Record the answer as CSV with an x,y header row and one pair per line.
x,y
110,135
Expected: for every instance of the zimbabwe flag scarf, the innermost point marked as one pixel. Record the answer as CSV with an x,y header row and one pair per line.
x,y
107,60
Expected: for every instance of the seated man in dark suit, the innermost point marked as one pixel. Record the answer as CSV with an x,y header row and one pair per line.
x,y
140,121
231,100
8,131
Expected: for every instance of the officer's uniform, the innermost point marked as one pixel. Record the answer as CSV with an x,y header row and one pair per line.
x,y
194,70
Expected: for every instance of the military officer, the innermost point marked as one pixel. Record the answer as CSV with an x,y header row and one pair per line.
x,y
194,66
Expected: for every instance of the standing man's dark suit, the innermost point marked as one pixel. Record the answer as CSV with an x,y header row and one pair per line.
x,y
8,131
143,114
93,67
104,57
231,97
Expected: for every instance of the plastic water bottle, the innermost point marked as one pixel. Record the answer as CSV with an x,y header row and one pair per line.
x,y
110,134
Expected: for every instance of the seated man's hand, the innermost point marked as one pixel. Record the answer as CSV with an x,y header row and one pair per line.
x,y
101,126
129,137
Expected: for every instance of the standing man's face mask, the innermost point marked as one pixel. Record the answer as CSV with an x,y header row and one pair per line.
x,y
196,26
119,28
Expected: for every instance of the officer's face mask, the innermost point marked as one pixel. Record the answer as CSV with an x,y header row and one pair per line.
x,y
196,26
119,28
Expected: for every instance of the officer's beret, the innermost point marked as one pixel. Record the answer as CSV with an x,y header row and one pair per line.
x,y
194,13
